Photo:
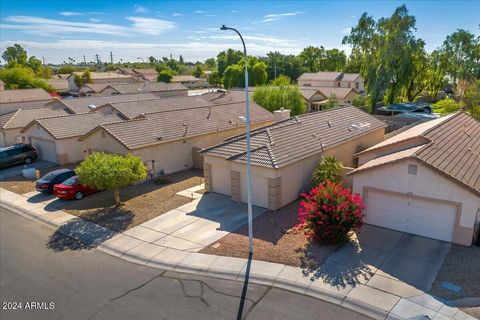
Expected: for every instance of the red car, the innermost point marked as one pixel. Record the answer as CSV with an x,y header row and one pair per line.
x,y
72,189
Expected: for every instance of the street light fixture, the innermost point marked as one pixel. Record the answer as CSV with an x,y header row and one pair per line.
x,y
249,165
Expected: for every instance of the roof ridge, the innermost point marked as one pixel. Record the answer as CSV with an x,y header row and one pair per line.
x,y
13,115
441,123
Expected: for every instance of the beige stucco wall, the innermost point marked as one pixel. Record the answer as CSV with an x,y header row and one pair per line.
x,y
101,141
10,136
426,183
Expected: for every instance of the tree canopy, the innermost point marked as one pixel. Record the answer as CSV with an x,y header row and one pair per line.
x,y
22,78
111,172
275,98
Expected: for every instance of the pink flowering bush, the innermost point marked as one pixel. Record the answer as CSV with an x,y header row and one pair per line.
x,y
329,212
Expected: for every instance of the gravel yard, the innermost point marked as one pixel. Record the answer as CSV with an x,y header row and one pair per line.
x,y
274,241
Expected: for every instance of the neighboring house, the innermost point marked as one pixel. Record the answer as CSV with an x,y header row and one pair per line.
x,y
132,109
160,89
59,84
332,79
11,123
55,138
190,81
2,85
285,154
87,104
92,89
344,96
425,180
11,100
141,74
169,141
100,77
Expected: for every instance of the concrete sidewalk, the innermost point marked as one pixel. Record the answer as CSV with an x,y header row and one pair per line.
x,y
380,296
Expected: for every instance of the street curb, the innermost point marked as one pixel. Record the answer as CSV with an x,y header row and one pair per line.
x,y
465,302
271,281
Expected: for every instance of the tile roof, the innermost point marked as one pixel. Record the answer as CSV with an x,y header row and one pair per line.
x,y
160,127
452,148
132,109
58,84
81,105
340,93
95,87
309,92
350,76
145,87
296,138
104,75
320,76
24,95
185,78
69,126
21,117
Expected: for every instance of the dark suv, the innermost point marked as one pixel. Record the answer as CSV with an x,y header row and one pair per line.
x,y
19,153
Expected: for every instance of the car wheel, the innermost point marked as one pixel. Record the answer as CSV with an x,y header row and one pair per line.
x,y
27,160
78,195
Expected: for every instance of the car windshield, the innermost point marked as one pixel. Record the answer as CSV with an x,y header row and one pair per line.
x,y
70,182
49,176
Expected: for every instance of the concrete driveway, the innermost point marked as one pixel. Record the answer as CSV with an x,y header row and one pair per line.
x,y
13,171
386,259
195,225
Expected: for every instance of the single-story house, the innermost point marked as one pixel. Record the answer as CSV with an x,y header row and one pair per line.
x,y
160,89
332,79
11,100
56,138
285,154
425,180
141,74
92,89
169,141
313,97
131,109
100,77
11,123
87,104
190,81
60,85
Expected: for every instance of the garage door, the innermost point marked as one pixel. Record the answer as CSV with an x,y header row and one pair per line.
x,y
427,218
221,180
45,149
259,190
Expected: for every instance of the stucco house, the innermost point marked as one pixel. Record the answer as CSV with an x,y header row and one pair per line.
x,y
190,81
56,138
140,73
160,89
91,89
12,123
285,154
332,79
11,100
100,77
169,141
425,180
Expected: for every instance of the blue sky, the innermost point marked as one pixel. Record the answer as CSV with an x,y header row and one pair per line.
x,y
57,30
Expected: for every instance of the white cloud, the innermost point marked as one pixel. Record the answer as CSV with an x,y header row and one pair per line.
x,y
176,14
261,38
287,14
200,11
71,13
265,20
95,20
151,26
51,27
140,9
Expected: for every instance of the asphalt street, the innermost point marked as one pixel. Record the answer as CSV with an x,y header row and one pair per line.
x,y
88,284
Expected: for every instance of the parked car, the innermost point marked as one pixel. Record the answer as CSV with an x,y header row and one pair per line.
x,y
72,189
19,153
46,183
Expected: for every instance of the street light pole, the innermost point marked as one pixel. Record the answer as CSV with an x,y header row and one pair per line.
x,y
249,165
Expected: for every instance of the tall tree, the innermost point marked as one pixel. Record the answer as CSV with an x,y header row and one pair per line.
x,y
15,55
335,60
228,58
462,51
312,58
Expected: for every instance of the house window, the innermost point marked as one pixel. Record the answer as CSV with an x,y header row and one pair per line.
x,y
349,84
357,85
412,169
338,84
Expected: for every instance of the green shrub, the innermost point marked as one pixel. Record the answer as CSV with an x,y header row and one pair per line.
x,y
447,106
328,169
276,98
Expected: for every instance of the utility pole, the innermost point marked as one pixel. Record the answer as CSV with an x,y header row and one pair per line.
x,y
43,59
84,62
97,57
111,57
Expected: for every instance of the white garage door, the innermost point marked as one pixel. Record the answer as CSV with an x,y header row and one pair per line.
x,y
45,149
221,178
259,190
427,218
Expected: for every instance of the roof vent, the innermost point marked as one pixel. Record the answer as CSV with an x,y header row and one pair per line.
x,y
314,135
329,124
159,138
91,106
